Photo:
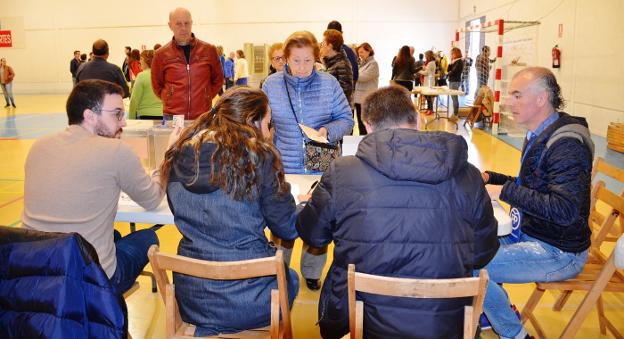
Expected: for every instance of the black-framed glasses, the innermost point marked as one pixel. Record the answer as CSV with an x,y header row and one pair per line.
x,y
117,112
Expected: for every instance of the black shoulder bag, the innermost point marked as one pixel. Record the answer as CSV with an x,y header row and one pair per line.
x,y
318,156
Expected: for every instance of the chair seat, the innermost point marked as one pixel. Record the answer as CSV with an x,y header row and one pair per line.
x,y
187,331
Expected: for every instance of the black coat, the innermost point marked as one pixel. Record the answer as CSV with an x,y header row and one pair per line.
x,y
554,194
407,205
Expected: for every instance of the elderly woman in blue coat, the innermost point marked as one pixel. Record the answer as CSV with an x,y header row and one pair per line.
x,y
301,95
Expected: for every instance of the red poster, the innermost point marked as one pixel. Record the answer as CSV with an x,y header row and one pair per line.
x,y
5,39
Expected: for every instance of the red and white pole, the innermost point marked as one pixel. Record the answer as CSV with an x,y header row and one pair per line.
x,y
499,76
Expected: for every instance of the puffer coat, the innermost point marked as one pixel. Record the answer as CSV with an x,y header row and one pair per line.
x,y
408,204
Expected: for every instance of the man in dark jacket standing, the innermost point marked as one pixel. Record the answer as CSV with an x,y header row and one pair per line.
x,y
348,51
100,69
408,204
550,198
73,66
186,72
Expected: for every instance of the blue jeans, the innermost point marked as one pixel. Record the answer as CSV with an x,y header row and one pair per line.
x,y
131,257
7,90
455,85
529,260
241,82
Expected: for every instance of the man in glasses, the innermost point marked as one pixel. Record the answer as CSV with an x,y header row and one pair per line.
x,y
101,69
74,178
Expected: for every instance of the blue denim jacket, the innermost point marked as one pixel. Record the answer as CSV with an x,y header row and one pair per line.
x,y
216,227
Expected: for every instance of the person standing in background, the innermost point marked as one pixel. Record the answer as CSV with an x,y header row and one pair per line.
x,y
100,68
73,66
404,68
125,67
419,65
455,70
466,75
482,66
228,71
144,104
276,57
222,60
336,62
241,69
368,82
186,72
134,65
6,82
348,51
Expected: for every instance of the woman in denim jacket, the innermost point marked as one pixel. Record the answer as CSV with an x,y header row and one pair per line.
x,y
225,184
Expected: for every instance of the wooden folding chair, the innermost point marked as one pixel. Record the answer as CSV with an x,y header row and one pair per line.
x,y
416,288
478,107
231,270
590,274
602,280
601,224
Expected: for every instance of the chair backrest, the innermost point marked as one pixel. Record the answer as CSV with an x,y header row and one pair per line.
x,y
603,226
218,270
416,288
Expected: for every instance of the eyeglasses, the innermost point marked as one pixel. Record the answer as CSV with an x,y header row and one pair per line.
x,y
278,59
118,113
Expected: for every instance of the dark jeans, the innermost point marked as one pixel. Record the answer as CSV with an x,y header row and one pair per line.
x,y
228,83
131,252
358,113
406,83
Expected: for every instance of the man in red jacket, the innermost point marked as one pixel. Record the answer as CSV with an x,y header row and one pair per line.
x,y
186,72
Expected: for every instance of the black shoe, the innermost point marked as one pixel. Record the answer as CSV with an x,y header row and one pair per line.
x,y
7,105
313,284
14,106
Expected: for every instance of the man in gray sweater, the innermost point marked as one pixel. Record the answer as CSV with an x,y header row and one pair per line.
x,y
73,180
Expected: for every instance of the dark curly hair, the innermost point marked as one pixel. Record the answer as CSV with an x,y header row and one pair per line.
x,y
240,150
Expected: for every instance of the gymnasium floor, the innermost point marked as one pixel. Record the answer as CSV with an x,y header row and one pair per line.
x,y
39,115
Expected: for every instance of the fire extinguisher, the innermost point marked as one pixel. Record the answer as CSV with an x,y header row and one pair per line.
x,y
556,57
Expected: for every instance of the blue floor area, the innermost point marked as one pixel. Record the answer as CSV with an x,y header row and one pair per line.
x,y
600,143
31,126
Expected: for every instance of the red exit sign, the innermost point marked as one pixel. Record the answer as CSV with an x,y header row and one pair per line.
x,y
5,39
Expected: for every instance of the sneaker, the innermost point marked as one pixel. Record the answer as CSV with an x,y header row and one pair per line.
x,y
313,284
14,106
484,323
7,105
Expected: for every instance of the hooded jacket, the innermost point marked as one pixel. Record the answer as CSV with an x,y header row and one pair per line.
x,y
554,194
216,227
187,88
318,101
408,204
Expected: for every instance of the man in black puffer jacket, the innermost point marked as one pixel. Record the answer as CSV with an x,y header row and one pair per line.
x,y
550,198
408,204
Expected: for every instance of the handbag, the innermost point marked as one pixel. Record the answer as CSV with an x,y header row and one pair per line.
x,y
317,155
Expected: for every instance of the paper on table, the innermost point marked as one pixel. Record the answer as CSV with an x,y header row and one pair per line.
x,y
313,134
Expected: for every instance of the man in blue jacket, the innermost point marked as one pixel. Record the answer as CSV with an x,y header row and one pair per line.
x,y
408,204
550,198
348,51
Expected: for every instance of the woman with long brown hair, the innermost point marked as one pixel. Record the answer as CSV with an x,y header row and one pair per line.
x,y
225,184
404,68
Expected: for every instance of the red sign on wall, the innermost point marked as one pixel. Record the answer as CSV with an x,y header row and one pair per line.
x,y
5,39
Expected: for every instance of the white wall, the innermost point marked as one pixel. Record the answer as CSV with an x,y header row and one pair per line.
x,y
592,45
54,29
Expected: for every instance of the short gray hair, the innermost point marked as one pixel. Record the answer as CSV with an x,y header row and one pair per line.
x,y
547,81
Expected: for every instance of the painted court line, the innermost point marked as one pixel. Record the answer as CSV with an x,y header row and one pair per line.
x,y
11,201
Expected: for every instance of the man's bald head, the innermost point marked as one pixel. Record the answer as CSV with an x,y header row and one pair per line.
x,y
181,24
100,48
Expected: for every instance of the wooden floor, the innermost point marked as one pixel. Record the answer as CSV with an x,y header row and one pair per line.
x,y
39,115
